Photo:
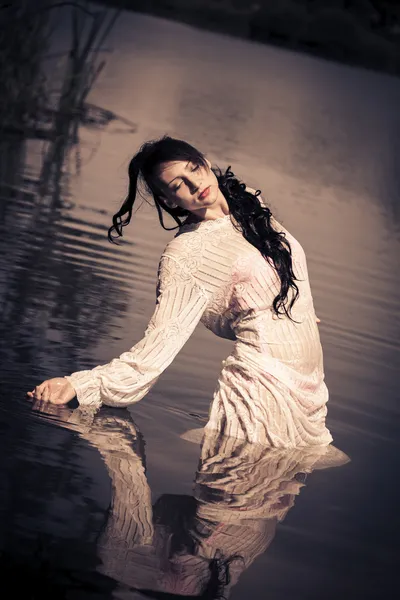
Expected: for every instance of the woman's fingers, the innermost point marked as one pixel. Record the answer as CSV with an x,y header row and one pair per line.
x,y
46,396
55,391
39,389
48,391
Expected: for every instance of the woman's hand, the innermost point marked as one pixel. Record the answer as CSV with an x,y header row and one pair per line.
x,y
318,320
56,391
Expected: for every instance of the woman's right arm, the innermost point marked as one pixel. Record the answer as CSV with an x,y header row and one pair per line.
x,y
180,304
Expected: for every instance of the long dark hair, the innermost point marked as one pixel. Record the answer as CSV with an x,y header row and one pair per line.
x,y
252,218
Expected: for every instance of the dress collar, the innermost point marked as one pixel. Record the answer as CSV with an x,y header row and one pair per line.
x,y
205,224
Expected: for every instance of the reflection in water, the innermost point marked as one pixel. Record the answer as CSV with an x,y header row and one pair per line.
x,y
191,545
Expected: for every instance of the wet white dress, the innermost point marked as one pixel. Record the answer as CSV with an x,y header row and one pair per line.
x,y
271,388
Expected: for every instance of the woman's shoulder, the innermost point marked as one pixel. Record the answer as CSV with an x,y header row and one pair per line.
x,y
184,252
179,265
182,243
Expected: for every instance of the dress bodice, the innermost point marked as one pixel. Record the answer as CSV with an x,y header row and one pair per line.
x,y
241,286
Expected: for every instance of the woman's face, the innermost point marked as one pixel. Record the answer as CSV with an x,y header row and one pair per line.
x,y
183,182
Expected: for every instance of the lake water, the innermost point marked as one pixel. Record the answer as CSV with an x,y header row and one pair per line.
x,y
92,503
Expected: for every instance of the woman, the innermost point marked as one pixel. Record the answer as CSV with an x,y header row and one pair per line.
x,y
235,268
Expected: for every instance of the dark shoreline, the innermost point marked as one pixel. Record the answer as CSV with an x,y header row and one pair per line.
x,y
369,39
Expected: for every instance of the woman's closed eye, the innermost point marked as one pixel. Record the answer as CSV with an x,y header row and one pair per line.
x,y
178,186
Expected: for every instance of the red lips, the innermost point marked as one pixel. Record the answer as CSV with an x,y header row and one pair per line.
x,y
204,193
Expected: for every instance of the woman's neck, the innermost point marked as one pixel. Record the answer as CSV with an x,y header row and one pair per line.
x,y
217,210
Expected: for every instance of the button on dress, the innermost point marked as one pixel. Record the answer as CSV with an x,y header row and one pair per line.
x,y
271,388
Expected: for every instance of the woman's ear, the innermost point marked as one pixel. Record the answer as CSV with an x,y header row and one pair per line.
x,y
168,202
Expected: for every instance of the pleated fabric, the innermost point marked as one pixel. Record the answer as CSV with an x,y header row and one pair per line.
x,y
271,388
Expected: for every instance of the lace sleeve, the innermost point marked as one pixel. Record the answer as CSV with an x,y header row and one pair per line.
x,y
180,304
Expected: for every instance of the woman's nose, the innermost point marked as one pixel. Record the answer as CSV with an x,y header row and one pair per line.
x,y
195,185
